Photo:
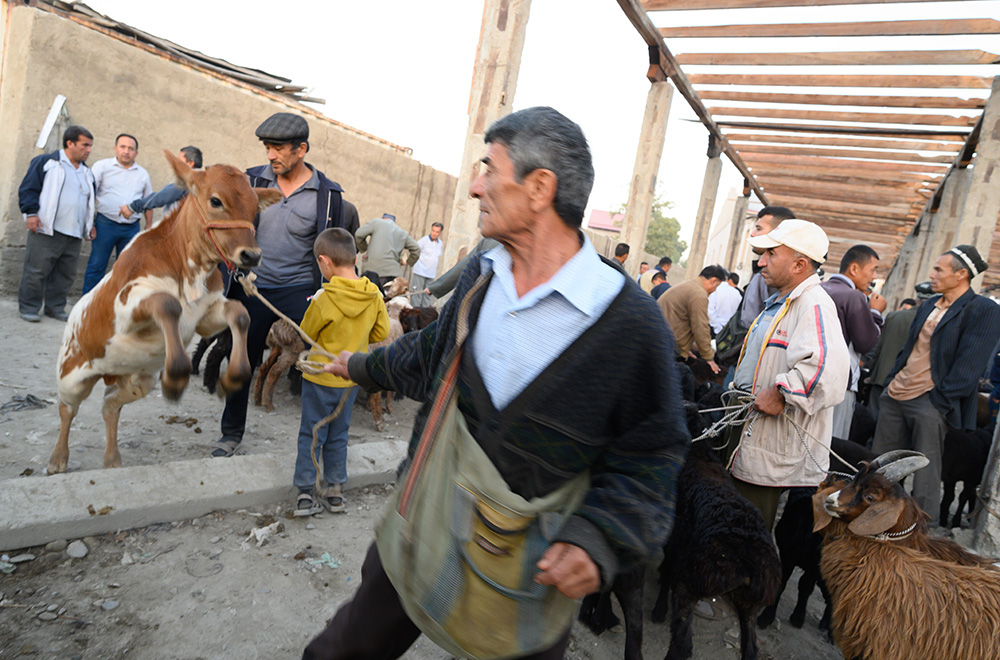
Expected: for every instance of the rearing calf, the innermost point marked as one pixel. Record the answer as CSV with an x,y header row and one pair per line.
x,y
164,287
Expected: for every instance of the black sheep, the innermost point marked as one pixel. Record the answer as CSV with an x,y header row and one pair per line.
x,y
963,459
720,546
799,547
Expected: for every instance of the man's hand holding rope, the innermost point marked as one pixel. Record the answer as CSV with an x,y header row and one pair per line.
x,y
770,401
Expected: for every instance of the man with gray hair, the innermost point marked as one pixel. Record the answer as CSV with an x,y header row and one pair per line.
x,y
543,309
934,382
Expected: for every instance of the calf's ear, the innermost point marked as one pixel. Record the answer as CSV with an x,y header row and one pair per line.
x,y
182,170
877,518
266,197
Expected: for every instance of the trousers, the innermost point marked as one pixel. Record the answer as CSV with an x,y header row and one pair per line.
x,y
48,273
111,236
373,625
915,424
293,302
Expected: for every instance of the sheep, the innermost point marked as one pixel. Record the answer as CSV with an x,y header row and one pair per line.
x,y
417,318
286,344
394,307
720,546
892,598
963,459
799,546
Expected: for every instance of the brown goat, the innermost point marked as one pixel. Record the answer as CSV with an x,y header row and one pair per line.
x,y
898,593
417,318
395,332
285,344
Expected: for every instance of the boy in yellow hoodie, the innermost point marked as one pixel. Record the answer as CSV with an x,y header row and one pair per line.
x,y
345,315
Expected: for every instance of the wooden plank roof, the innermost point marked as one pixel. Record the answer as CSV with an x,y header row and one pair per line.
x,y
863,164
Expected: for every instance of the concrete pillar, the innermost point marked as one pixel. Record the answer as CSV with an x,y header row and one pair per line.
x,y
986,524
736,231
703,223
982,204
494,81
906,271
642,189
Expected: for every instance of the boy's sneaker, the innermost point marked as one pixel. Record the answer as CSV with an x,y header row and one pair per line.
x,y
335,502
306,504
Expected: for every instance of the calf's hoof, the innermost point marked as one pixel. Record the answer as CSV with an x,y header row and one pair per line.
x,y
56,467
113,461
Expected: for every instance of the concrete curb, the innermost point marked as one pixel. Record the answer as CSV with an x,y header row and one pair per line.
x,y
37,510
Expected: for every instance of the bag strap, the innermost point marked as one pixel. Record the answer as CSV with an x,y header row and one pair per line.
x,y
445,393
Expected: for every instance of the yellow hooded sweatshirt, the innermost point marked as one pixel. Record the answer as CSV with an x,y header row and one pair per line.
x,y
345,315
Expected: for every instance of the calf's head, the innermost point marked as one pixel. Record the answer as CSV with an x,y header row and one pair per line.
x,y
224,207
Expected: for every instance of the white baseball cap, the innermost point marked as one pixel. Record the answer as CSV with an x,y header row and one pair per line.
x,y
800,235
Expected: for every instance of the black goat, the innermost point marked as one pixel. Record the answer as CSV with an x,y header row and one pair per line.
x,y
218,347
963,459
799,546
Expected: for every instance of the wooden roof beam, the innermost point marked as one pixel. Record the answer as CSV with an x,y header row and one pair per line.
x,y
860,117
860,210
944,102
816,140
670,5
768,170
838,80
840,163
929,134
903,188
845,58
822,192
663,59
863,29
840,153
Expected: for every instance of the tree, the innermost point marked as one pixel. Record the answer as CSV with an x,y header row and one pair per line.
x,y
663,236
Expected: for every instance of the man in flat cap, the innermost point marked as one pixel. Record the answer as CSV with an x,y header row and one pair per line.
x,y
934,382
287,275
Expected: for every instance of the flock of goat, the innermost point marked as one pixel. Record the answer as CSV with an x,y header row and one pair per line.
x,y
892,591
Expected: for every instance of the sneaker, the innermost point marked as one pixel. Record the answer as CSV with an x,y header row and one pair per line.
x,y
59,316
335,502
306,504
30,318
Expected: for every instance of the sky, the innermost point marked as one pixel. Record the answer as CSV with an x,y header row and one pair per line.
x,y
402,70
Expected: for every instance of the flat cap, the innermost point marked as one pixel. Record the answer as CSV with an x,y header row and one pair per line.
x,y
283,127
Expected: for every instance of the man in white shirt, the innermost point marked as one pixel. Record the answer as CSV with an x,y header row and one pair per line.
x,y
425,269
723,303
119,181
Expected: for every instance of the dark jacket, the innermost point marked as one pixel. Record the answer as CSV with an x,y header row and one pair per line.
x,y
166,196
860,323
30,191
961,346
622,419
331,211
895,330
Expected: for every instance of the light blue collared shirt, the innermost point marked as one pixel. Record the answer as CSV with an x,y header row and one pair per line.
x,y
515,339
743,379
74,196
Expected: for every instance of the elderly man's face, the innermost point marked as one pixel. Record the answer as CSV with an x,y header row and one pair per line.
x,y
778,266
284,157
944,277
504,205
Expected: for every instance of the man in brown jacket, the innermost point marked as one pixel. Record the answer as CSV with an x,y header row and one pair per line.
x,y
685,307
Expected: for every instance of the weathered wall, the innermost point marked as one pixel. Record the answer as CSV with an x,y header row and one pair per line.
x,y
116,87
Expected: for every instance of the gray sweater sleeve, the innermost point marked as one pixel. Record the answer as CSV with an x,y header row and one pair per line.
x,y
447,281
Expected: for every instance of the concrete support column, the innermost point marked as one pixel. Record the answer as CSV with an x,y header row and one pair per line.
x,y
703,223
907,269
736,230
986,524
494,81
982,204
642,189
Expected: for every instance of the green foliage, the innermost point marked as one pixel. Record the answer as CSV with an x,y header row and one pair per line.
x,y
663,237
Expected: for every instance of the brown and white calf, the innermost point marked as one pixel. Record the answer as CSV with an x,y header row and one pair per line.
x,y
164,287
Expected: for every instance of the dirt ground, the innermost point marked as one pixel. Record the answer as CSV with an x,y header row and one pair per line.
x,y
193,589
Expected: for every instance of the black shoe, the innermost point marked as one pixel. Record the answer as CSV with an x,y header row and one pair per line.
x,y
30,317
59,316
226,448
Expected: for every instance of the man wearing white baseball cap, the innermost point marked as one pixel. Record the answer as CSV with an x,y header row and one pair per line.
x,y
795,364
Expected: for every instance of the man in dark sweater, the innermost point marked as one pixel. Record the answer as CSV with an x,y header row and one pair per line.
x,y
547,311
860,321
